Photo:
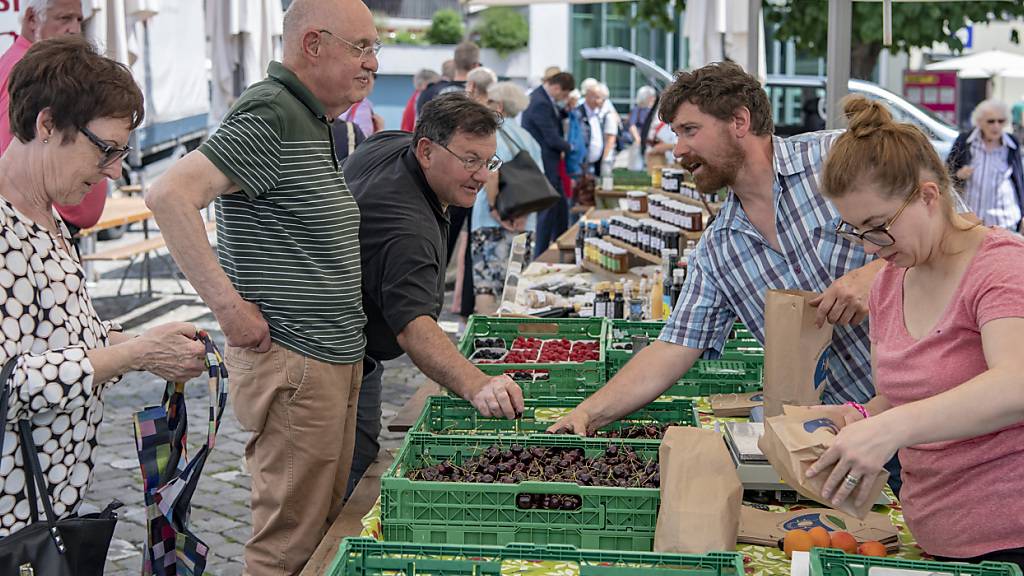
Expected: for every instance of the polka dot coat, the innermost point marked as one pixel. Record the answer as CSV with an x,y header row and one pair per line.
x,y
49,323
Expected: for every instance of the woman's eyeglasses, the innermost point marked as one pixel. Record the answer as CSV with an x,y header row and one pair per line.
x,y
995,121
111,153
879,235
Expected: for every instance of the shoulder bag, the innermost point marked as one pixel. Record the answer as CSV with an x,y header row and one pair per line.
x,y
522,186
73,546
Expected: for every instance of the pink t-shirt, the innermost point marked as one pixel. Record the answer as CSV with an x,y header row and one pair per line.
x,y
88,211
960,498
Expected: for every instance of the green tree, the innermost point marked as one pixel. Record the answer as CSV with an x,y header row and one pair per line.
x,y
914,24
446,27
503,29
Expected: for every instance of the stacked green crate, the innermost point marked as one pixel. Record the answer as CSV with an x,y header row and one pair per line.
x,y
439,512
367,557
446,415
739,370
564,375
832,562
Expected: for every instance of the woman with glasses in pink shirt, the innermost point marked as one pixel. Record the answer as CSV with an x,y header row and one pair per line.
x,y
946,318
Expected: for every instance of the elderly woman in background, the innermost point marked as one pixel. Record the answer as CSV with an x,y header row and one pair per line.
x,y
645,98
71,113
478,81
491,236
986,166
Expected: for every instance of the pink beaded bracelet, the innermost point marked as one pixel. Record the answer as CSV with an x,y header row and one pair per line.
x,y
859,408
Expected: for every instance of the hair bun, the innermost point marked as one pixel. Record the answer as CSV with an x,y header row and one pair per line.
x,y
865,116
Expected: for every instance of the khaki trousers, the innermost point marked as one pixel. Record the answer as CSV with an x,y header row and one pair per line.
x,y
302,415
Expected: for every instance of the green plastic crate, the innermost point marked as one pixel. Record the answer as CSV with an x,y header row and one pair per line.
x,y
746,345
637,179
752,360
832,562
725,368
367,557
474,513
589,372
709,377
446,415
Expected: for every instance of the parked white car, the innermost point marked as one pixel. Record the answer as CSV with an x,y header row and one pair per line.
x,y
798,102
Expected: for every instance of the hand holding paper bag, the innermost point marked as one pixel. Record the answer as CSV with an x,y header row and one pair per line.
x,y
861,448
795,441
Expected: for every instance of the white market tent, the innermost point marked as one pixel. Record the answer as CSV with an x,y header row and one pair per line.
x,y
984,65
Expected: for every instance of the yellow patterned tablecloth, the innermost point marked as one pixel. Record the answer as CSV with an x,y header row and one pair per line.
x,y
758,560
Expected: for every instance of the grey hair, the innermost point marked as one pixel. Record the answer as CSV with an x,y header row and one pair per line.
x,y
512,97
424,77
39,7
644,93
482,78
599,88
986,105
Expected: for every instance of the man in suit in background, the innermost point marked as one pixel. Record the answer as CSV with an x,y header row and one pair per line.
x,y
543,120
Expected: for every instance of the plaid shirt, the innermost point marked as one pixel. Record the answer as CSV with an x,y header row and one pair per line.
x,y
733,267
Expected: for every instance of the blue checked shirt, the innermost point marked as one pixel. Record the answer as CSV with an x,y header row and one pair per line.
x,y
733,267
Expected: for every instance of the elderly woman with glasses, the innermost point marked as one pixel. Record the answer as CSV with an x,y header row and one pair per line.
x,y
71,113
986,166
946,317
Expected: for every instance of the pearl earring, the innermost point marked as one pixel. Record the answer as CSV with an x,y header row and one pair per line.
x,y
46,140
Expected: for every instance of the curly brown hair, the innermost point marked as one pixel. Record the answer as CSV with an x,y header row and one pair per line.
x,y
78,85
719,89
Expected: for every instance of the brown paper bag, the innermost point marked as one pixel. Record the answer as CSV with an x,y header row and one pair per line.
x,y
794,441
701,493
765,528
795,350
735,405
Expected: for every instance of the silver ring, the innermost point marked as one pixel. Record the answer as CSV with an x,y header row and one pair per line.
x,y
852,480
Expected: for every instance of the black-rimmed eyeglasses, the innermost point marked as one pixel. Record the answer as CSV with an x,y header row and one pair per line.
x,y
474,164
111,153
879,235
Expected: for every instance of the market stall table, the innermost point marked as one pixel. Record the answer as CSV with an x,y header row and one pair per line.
x,y
759,560
119,212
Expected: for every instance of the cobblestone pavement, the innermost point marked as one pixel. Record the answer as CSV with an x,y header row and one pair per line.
x,y
220,507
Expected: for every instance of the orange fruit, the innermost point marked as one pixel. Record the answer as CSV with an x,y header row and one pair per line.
x,y
845,542
820,537
872,548
797,541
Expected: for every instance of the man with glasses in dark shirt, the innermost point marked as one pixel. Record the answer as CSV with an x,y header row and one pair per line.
x,y
404,185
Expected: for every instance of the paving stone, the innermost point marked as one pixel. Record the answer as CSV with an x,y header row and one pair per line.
x,y
221,514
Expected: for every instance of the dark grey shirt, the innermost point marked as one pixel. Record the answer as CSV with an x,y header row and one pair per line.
x,y
403,237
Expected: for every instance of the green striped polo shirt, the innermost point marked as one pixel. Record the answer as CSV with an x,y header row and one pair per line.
x,y
289,240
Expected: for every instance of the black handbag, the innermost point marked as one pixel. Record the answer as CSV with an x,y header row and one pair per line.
x,y
522,186
73,546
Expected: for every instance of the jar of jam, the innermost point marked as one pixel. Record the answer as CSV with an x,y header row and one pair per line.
x,y
637,200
